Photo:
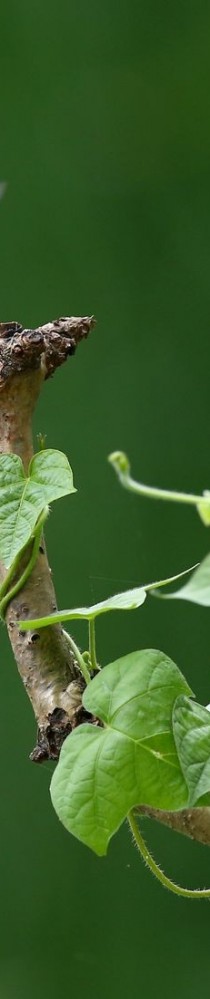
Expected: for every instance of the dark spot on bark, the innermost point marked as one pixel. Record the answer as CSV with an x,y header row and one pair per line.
x,y
71,349
22,611
41,549
58,715
50,739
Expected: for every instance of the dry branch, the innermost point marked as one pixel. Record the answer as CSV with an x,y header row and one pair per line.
x,y
44,659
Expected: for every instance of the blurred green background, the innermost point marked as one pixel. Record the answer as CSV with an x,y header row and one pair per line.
x,y
105,144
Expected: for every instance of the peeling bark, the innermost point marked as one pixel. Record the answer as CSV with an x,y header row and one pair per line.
x,y
44,659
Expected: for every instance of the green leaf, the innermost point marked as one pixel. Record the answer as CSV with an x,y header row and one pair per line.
x,y
104,772
191,727
128,600
23,498
197,590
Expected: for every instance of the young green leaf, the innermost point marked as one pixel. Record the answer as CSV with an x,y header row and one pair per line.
x,y
128,600
104,772
22,498
197,590
191,727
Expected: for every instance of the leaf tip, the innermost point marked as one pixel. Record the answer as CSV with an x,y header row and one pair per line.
x,y
120,462
203,509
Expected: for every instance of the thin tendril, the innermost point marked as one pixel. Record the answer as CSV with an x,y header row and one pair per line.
x,y
196,893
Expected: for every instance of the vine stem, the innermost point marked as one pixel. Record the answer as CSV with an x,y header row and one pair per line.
x,y
78,656
196,893
120,463
92,644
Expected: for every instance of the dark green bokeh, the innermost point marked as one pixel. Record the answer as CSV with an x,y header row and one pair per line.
x,y
105,143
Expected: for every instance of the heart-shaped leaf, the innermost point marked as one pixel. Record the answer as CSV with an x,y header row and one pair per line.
x,y
197,590
104,772
191,727
22,498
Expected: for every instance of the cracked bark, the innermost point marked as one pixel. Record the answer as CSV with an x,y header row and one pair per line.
x,y
44,659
